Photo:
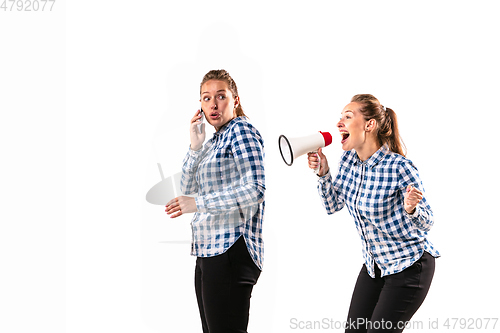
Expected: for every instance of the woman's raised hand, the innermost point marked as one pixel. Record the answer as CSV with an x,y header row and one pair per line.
x,y
412,197
197,138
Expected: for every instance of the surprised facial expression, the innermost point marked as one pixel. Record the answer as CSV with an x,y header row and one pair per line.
x,y
218,103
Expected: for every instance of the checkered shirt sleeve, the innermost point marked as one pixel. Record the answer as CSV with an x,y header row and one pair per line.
x,y
373,192
227,175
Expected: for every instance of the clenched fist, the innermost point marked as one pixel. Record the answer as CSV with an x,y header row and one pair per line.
x,y
412,197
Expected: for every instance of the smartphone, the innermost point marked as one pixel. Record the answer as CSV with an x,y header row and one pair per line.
x,y
202,119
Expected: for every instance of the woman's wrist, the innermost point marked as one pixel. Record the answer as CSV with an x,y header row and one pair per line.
x,y
412,211
195,148
323,174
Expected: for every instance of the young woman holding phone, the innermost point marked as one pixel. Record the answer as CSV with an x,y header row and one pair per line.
x,y
227,174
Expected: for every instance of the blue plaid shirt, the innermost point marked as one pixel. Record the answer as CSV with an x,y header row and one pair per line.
x,y
227,174
373,192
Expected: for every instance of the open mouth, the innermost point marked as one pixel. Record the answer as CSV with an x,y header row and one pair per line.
x,y
214,115
344,135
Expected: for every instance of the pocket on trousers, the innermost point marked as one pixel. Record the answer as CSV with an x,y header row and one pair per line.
x,y
409,277
242,264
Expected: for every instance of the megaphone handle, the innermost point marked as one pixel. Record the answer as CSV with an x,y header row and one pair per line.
x,y
319,161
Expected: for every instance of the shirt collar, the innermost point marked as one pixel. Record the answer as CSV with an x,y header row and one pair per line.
x,y
227,125
375,158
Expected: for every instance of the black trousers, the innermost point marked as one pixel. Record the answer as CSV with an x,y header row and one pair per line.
x,y
384,304
224,286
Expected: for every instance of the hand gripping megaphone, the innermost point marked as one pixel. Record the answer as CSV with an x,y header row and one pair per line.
x,y
291,148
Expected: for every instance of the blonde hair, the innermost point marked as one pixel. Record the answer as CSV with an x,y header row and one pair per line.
x,y
388,132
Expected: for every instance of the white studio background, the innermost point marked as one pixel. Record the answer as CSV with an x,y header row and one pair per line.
x,y
32,168
132,78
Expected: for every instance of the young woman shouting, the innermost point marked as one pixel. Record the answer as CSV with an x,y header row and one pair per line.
x,y
384,195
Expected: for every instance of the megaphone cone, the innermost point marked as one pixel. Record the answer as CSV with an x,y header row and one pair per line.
x,y
291,148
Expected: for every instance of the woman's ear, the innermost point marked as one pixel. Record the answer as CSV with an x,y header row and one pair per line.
x,y
370,125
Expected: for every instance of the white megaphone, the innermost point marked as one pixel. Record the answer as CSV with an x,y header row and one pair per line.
x,y
294,147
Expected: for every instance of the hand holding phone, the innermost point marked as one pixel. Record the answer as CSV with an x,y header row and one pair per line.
x,y
202,119
197,130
